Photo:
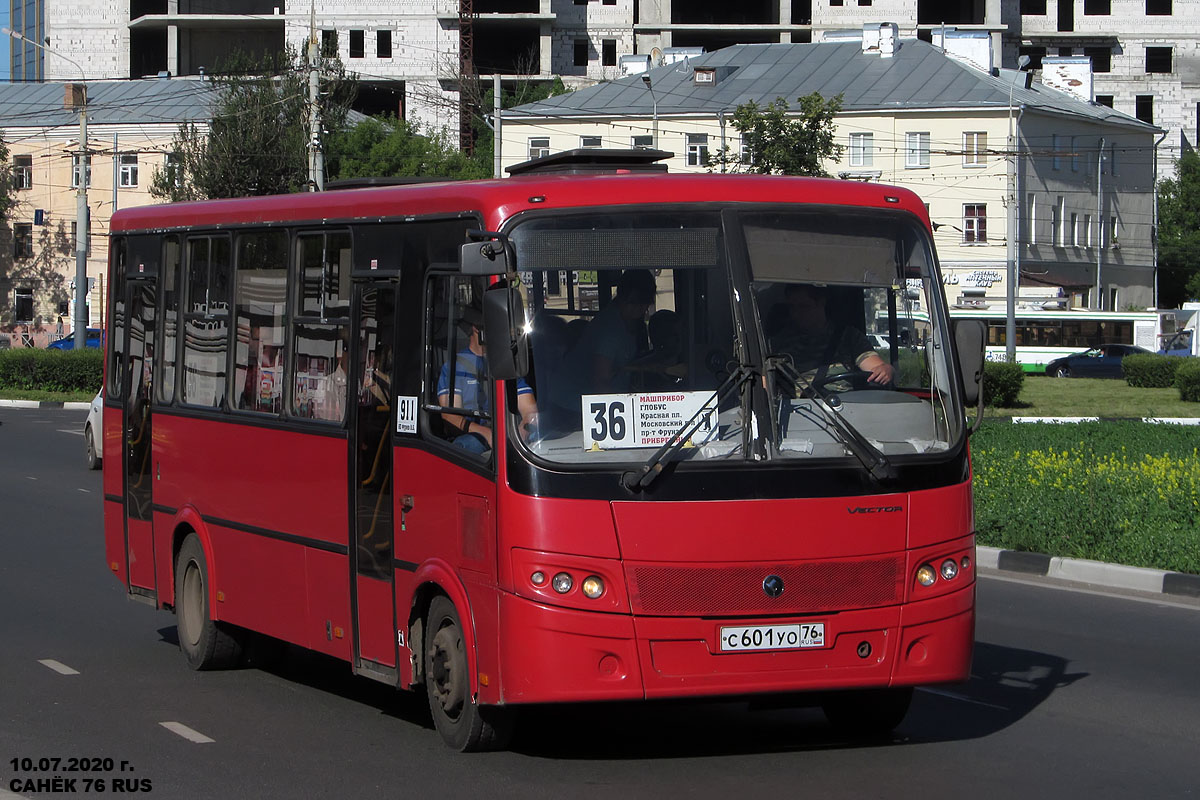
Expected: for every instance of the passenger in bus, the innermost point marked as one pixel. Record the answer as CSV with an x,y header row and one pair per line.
x,y
470,391
801,328
663,366
617,335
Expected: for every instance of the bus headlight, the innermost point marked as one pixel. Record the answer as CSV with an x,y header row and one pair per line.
x,y
949,569
926,575
563,583
593,586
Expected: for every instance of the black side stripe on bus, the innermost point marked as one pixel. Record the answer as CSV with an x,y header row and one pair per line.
x,y
291,538
118,498
407,566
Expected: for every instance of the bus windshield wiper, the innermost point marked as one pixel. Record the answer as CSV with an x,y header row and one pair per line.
x,y
871,457
641,479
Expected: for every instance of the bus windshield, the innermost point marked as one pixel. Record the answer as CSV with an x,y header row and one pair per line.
x,y
734,334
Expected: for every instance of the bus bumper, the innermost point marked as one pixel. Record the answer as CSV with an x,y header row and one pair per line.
x,y
552,654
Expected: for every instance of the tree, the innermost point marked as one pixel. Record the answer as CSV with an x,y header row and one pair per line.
x,y
6,184
780,141
387,147
1179,233
257,142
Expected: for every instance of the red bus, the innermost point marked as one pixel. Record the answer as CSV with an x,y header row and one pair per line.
x,y
553,438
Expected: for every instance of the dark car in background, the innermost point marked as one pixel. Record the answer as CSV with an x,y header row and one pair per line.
x,y
1099,362
68,341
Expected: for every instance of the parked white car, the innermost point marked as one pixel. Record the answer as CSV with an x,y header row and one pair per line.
x,y
93,431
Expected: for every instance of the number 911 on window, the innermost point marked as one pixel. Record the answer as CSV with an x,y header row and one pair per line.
x,y
773,637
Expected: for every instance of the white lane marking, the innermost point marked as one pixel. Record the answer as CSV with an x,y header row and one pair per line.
x,y
57,666
1047,583
30,478
85,491
64,430
953,696
180,729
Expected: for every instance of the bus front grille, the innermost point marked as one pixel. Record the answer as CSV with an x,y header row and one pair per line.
x,y
812,587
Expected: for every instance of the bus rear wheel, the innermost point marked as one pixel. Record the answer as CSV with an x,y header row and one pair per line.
x,y
867,713
464,724
206,644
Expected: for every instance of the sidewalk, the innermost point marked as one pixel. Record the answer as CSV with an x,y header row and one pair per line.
x,y
73,406
1098,573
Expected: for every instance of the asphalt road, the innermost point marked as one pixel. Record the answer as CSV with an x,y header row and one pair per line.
x,y
1073,694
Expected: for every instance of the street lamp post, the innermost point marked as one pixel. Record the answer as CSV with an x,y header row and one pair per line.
x,y
654,100
78,101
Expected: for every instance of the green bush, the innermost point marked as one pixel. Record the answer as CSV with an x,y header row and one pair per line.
x,y
1002,383
1151,371
1122,492
1187,380
52,370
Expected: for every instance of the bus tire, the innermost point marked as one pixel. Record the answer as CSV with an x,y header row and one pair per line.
x,y
206,644
867,713
463,723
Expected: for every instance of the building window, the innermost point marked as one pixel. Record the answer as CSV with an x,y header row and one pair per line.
x,y
173,166
1033,8
22,240
581,52
1101,58
1087,230
1056,148
590,141
745,155
697,149
864,2
1143,106
862,149
1056,223
916,149
1112,233
75,171
975,223
1158,8
1158,60
1096,8
23,305
129,170
835,3
75,241
383,44
641,142
1036,54
608,48
358,44
539,146
1112,159
974,149
1104,100
329,44
1076,158
22,172
1073,232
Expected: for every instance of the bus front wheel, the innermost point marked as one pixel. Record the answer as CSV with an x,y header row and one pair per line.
x,y
867,713
464,724
206,644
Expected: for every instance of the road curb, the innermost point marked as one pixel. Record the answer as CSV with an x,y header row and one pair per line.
x,y
71,406
1100,573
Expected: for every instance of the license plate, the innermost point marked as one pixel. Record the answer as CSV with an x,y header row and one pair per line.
x,y
773,637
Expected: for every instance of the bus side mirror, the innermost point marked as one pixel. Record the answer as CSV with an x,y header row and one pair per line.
x,y
486,254
504,332
968,340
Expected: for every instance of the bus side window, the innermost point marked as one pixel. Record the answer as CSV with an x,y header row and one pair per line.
x,y
456,363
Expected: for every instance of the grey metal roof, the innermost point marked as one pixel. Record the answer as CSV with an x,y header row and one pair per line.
x,y
134,102
918,76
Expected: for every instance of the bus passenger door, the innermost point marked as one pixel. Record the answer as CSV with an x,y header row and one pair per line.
x,y
372,530
138,456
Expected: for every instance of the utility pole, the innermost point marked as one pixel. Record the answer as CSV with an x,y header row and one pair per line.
x,y
316,157
77,97
497,107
